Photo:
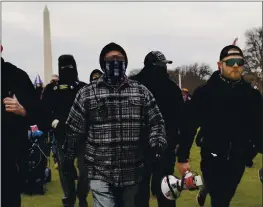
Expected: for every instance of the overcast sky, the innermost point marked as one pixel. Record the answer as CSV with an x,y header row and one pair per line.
x,y
185,32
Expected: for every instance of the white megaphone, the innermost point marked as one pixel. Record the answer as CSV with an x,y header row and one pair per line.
x,y
172,186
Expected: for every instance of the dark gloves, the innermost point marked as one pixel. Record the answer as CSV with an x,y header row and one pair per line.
x,y
157,152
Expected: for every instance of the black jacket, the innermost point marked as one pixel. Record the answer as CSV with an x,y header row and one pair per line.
x,y
169,99
14,127
230,116
57,100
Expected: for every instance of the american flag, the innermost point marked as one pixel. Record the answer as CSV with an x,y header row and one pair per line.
x,y
235,42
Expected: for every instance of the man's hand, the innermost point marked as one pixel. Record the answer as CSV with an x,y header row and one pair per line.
x,y
12,105
183,167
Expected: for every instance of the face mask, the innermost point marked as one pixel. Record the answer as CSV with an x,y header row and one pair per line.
x,y
115,71
67,74
157,71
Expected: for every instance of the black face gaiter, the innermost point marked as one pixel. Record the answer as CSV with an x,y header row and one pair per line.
x,y
155,72
67,74
115,71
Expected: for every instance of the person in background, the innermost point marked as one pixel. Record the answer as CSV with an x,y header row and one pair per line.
x,y
57,99
95,74
39,86
186,95
54,78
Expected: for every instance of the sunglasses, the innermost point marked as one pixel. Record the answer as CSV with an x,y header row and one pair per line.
x,y
115,57
232,62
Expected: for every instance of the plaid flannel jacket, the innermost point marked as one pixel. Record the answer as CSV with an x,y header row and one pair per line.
x,y
116,125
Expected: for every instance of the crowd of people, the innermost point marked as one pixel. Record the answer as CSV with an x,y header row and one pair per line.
x,y
127,133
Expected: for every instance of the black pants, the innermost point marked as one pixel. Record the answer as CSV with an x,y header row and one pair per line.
x,y
68,183
10,196
251,155
153,176
11,186
221,177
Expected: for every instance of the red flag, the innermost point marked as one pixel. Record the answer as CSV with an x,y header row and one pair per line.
x,y
235,42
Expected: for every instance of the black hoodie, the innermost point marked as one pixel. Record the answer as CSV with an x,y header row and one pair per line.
x,y
230,115
59,96
15,127
108,48
169,99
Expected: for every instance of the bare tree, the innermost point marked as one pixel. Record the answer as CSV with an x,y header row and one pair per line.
x,y
253,51
254,80
192,75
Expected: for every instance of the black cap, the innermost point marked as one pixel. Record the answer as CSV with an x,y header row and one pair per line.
x,y
67,75
156,57
110,47
65,60
225,52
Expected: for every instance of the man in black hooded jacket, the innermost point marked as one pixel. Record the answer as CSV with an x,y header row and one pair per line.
x,y
57,99
19,107
169,99
229,112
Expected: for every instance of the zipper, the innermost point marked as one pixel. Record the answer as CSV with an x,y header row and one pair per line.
x,y
229,150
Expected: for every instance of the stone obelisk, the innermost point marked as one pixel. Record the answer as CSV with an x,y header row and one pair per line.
x,y
47,48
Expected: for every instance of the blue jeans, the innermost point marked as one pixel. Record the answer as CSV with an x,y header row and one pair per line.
x,y
106,195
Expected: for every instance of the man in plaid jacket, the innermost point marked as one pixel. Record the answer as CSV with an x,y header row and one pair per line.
x,y
120,121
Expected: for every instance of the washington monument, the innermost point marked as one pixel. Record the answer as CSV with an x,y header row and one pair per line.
x,y
47,48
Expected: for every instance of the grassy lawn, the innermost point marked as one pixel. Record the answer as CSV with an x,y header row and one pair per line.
x,y
249,192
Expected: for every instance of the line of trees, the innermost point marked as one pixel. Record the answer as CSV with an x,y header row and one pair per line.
x,y
253,53
192,75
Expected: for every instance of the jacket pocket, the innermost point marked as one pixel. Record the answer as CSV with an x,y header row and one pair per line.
x,y
135,108
98,112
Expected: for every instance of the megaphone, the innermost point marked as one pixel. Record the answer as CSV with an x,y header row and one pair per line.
x,y
172,186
